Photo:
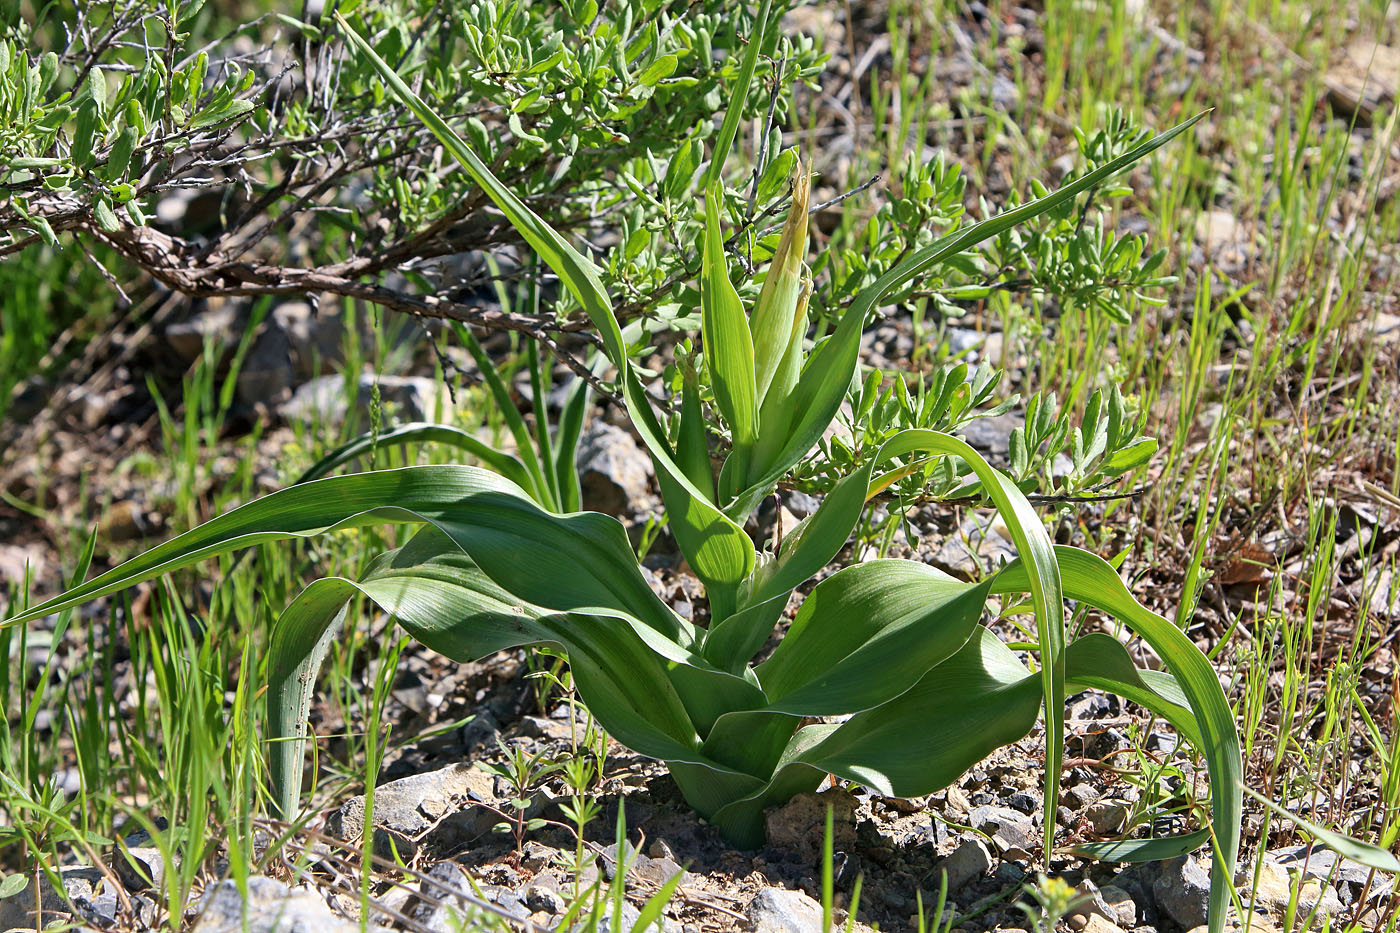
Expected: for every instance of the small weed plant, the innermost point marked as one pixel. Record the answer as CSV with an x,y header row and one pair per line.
x,y
891,649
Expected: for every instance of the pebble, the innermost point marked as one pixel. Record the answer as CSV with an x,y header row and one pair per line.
x,y
970,860
778,910
1107,817
539,897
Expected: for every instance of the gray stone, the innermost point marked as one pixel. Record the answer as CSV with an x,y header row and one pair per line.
x,y
970,860
1121,906
139,867
1081,795
402,398
267,371
1107,817
1182,890
1320,863
88,889
219,324
441,801
454,897
980,543
269,907
1275,889
778,910
317,339
541,898
1009,829
614,472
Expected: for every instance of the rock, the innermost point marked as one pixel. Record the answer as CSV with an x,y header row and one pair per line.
x,y
1023,802
539,897
799,825
1107,817
403,398
543,727
16,558
658,870
991,436
1223,237
614,472
970,860
441,801
127,520
1320,863
455,896
1364,80
317,339
87,888
267,371
1182,890
139,867
778,910
270,907
218,324
1093,923
1275,889
1122,909
1080,796
1008,828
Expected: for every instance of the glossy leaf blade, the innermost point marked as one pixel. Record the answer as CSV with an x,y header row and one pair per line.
x,y
1090,579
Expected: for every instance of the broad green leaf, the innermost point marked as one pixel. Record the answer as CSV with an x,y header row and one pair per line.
x,y
420,432
961,711
1090,579
1100,662
866,634
1038,558
1143,850
563,563
730,643
729,350
443,599
692,443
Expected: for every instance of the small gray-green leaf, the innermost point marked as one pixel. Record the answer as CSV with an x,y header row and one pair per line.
x,y
663,67
106,218
12,885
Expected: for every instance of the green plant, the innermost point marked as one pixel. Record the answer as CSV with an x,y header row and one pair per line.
x,y
893,644
1055,900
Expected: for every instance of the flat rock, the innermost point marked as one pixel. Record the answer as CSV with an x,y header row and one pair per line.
x,y
1320,863
778,910
269,907
441,801
1182,890
969,861
87,888
1275,889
